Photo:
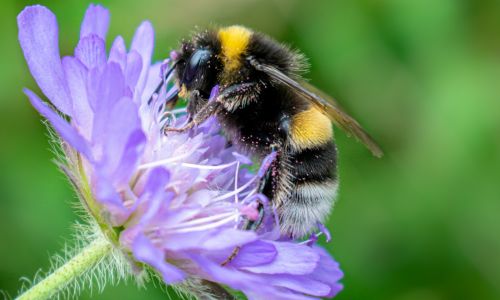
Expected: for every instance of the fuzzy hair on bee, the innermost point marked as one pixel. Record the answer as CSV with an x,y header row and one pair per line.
x,y
263,105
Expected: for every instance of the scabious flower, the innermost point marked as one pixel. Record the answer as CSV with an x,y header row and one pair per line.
x,y
175,203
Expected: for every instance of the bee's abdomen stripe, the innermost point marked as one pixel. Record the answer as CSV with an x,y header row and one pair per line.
x,y
313,189
316,164
309,203
310,128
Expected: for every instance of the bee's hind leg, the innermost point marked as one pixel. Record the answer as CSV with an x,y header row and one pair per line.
x,y
267,184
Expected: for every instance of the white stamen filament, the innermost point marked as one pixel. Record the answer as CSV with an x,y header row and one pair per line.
x,y
172,160
208,167
208,226
248,195
310,240
167,161
200,221
236,187
241,188
236,181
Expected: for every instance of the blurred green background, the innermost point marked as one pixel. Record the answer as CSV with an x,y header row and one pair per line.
x,y
423,76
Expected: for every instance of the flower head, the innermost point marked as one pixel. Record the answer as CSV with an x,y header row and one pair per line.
x,y
176,202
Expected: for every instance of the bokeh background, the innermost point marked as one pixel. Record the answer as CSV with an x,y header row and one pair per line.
x,y
423,76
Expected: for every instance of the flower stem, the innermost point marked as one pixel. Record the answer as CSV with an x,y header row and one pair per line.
x,y
89,257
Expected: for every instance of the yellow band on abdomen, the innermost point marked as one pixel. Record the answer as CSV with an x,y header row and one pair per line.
x,y
310,128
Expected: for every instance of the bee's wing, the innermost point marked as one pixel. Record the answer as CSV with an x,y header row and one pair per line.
x,y
327,104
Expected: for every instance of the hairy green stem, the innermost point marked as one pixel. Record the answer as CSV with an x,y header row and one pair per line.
x,y
89,257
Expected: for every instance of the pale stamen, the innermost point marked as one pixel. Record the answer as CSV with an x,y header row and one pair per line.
x,y
207,227
311,240
236,181
166,161
208,167
240,189
204,220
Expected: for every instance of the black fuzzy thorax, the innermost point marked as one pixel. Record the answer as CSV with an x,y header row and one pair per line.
x,y
268,51
256,127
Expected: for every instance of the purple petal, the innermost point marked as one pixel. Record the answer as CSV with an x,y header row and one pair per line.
x,y
91,51
76,75
231,277
133,70
254,254
38,35
153,195
105,89
291,259
106,194
242,158
299,284
129,158
228,238
122,135
143,43
96,21
153,79
328,272
201,197
146,252
255,287
118,52
176,216
63,128
209,240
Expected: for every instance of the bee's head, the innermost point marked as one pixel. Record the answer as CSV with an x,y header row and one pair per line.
x,y
198,64
214,57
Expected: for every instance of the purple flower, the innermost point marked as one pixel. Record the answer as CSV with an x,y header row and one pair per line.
x,y
177,202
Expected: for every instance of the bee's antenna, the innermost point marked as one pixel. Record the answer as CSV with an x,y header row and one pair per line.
x,y
162,83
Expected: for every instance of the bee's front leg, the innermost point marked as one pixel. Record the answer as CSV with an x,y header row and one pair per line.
x,y
208,110
195,103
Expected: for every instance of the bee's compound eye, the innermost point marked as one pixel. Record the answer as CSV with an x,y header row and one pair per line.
x,y
198,58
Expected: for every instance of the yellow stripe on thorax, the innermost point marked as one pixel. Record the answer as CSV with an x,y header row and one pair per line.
x,y
310,128
234,41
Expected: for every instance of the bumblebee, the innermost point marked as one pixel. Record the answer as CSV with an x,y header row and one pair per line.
x,y
264,105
